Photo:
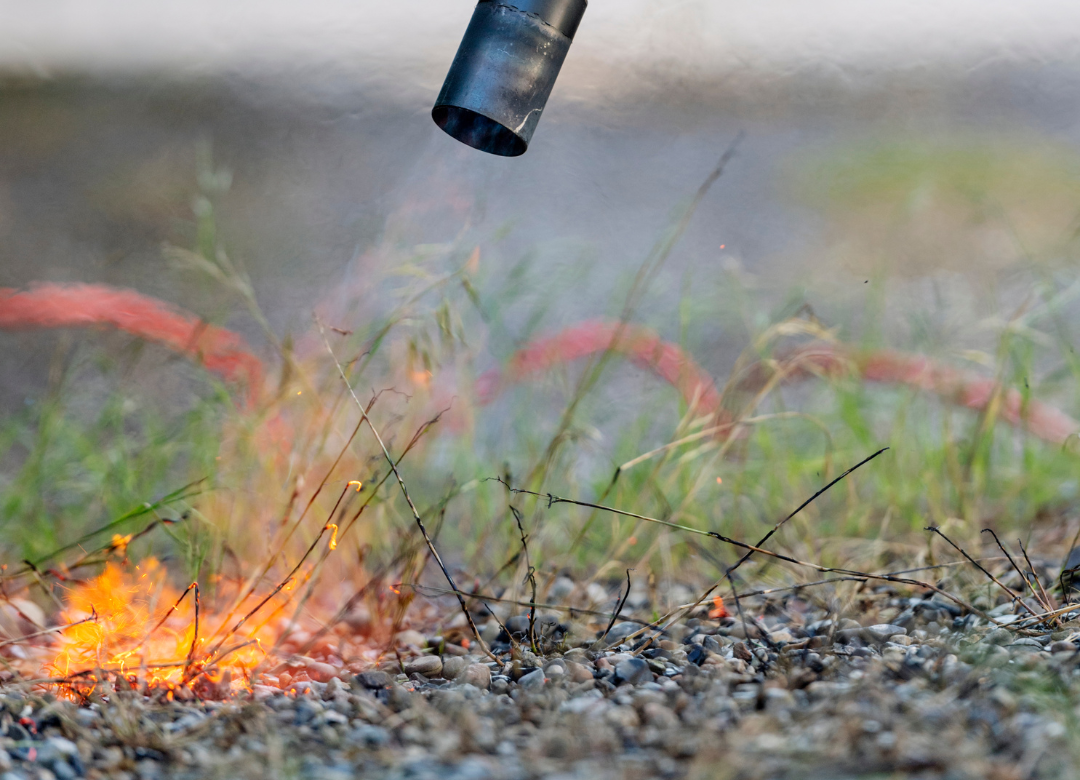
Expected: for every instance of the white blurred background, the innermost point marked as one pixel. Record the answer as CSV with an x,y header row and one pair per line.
x,y
319,109
699,38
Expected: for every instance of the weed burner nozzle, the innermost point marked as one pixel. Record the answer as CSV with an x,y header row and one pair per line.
x,y
504,70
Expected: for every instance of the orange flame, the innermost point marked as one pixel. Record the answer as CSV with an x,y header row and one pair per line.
x,y
141,629
718,610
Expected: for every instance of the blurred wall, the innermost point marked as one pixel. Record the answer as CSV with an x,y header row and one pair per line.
x,y
415,39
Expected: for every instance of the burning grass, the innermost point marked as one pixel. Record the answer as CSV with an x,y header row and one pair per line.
x,y
129,626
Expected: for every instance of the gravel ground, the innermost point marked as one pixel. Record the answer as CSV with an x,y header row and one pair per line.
x,y
931,693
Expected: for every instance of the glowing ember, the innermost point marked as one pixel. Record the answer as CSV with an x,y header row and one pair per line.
x,y
718,610
131,625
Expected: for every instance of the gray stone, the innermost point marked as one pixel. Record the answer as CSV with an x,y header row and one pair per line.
x,y
633,671
532,680
996,658
561,590
882,631
374,680
453,666
1062,646
999,636
619,632
555,667
713,644
518,626
1026,641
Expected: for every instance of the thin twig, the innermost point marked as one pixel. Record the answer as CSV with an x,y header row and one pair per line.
x,y
738,605
195,637
773,530
485,598
618,610
1047,616
889,576
803,506
1013,594
1045,600
552,500
1019,571
53,630
530,577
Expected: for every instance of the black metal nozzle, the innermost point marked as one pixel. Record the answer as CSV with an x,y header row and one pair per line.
x,y
504,70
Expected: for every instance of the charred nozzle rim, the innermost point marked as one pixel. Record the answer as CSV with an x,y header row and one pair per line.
x,y
478,131
562,15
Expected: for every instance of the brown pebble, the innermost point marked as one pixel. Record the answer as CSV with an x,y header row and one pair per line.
x,y
742,652
478,675
427,665
578,672
321,672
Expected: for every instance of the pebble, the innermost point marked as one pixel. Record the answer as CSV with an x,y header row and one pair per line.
x,y
427,665
659,716
999,636
1026,641
619,632
715,644
633,671
532,680
882,631
697,655
623,716
373,680
555,668
322,672
477,675
518,626
578,673
453,666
